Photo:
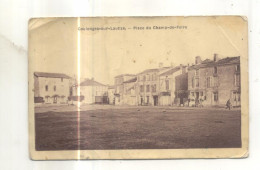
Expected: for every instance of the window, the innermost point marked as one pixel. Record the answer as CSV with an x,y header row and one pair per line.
x,y
192,82
215,96
61,79
197,72
197,82
147,88
215,81
201,93
46,88
237,80
167,84
142,88
215,70
54,88
154,88
192,94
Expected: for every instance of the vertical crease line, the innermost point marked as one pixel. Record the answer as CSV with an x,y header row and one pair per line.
x,y
78,91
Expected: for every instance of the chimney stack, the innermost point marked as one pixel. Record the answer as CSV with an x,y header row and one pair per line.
x,y
216,57
183,69
197,60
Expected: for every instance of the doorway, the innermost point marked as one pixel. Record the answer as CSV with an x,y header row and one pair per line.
x,y
155,100
55,99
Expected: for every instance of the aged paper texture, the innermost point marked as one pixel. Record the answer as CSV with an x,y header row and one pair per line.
x,y
138,87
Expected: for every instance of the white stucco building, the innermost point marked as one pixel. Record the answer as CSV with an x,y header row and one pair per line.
x,y
93,92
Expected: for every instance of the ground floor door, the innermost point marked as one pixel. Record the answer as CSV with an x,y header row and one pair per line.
x,y
235,98
215,98
142,101
197,98
155,100
55,99
181,100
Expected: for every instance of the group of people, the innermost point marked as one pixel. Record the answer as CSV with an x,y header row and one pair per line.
x,y
199,103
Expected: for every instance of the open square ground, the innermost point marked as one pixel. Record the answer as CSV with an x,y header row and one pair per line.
x,y
112,127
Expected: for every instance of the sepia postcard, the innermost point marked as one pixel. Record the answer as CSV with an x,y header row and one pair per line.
x,y
138,87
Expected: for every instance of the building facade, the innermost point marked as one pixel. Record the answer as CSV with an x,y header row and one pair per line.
x,y
214,82
173,86
148,86
51,88
93,92
119,87
129,94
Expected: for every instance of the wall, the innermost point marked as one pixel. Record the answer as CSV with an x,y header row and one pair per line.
x,y
62,89
223,82
151,81
90,92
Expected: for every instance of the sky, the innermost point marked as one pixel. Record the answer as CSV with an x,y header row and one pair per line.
x,y
56,45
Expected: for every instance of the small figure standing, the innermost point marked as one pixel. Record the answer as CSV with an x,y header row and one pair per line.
x,y
228,104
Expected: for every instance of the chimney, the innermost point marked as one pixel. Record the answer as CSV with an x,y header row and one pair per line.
x,y
183,69
197,60
92,78
216,58
160,65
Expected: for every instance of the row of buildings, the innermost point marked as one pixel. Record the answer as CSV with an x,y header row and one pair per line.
x,y
207,82
57,88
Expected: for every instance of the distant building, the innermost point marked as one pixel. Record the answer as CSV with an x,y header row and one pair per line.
x,y
111,95
213,82
173,86
147,86
119,87
93,92
51,88
129,94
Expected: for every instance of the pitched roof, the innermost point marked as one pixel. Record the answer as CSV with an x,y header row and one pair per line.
x,y
131,80
171,71
51,75
90,82
124,75
211,63
149,70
